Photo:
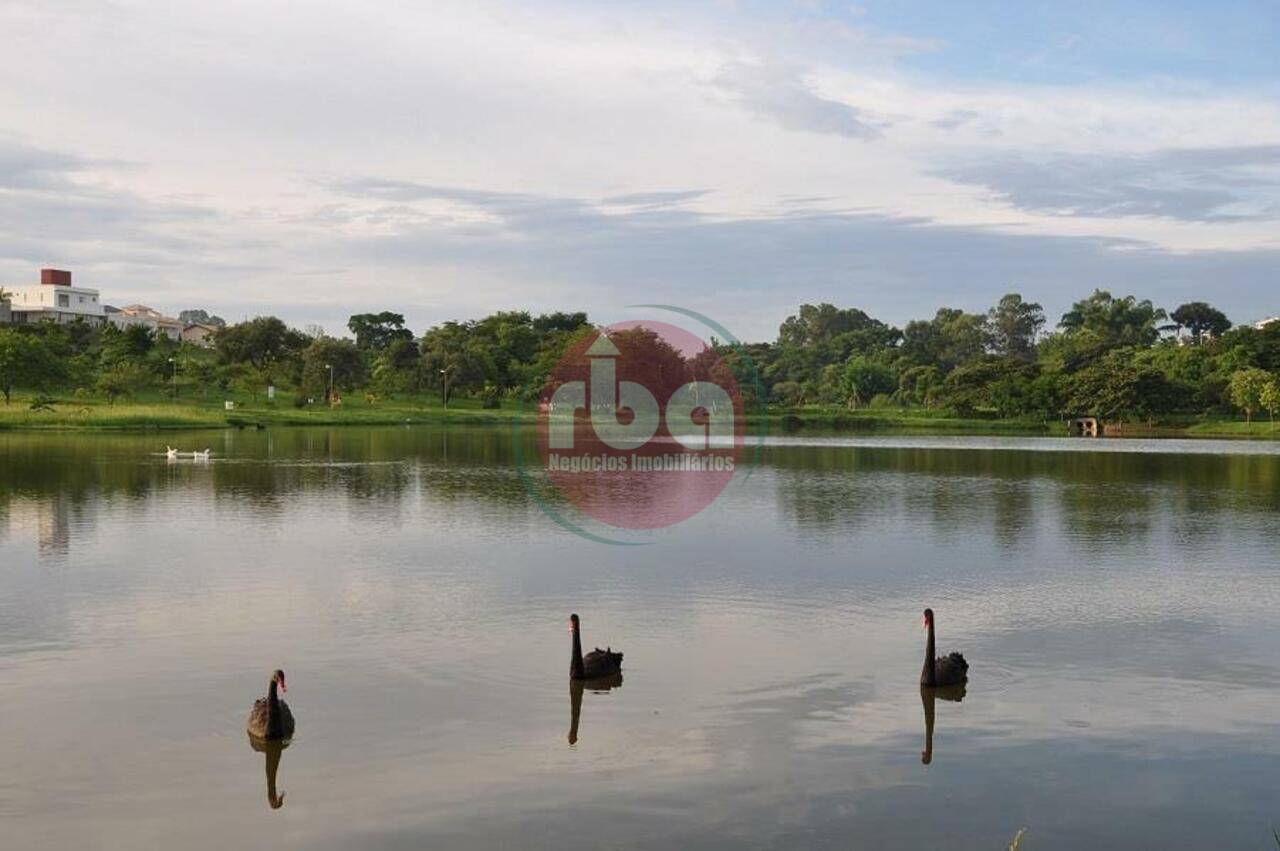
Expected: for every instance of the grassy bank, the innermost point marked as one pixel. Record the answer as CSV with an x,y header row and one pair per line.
x,y
898,419
76,413
163,413
1233,428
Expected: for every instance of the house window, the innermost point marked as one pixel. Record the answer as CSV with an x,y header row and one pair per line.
x,y
64,300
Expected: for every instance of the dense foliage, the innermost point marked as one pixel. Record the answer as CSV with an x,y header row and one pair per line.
x,y
1117,357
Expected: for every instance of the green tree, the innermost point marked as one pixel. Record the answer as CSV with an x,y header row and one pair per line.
x,y
788,393
1200,319
124,378
951,338
199,370
990,383
550,323
1119,385
835,333
919,385
862,379
1012,326
398,368
1246,389
130,344
1112,322
247,378
512,342
263,342
25,361
376,331
1246,346
453,360
202,317
1269,399
1045,395
328,356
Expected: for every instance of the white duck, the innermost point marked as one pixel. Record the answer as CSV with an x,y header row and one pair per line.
x,y
200,456
170,453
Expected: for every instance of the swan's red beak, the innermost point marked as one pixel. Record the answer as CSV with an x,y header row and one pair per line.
x,y
283,687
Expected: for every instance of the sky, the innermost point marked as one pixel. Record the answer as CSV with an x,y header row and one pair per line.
x,y
445,160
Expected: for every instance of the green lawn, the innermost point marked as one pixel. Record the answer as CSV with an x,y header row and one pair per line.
x,y
70,412
156,411
899,419
1234,428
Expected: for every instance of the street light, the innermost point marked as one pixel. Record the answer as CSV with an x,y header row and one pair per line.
x,y
329,367
173,380
445,372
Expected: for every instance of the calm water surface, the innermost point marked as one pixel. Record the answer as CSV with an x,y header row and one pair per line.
x,y
1117,601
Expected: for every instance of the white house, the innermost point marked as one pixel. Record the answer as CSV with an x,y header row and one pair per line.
x,y
140,314
55,299
1264,323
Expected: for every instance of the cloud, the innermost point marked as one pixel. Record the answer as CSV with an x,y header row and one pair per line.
x,y
656,200
781,95
956,118
752,272
1222,184
26,167
52,202
571,157
445,251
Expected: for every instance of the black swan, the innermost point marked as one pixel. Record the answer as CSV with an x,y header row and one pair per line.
x,y
576,687
947,670
597,664
270,718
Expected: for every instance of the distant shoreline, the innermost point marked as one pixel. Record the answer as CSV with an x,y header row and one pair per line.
x,y
71,414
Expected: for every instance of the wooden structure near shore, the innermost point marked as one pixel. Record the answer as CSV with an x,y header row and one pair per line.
x,y
1084,427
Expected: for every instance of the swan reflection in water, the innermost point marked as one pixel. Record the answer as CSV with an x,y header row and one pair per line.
x,y
929,694
272,748
576,687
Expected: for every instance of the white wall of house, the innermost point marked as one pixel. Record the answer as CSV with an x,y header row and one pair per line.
x,y
61,304
128,317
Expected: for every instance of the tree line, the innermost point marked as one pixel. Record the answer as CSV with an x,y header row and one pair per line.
x,y
1113,357
1108,356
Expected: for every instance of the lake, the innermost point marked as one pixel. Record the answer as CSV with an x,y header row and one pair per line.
x,y
1116,601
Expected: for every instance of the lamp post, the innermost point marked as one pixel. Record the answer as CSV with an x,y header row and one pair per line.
x,y
329,367
173,379
445,373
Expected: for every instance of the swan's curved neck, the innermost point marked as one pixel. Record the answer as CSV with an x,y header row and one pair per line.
x,y
928,676
576,667
273,710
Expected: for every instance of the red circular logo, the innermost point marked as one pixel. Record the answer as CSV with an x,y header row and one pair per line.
x,y
640,425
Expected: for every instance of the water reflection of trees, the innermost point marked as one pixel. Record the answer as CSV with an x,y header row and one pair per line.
x,y
48,481
1094,500
1098,499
